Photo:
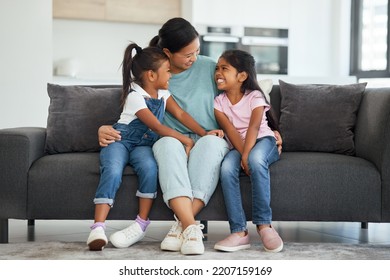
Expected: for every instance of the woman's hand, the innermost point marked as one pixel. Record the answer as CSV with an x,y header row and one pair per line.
x,y
188,144
279,141
107,135
216,132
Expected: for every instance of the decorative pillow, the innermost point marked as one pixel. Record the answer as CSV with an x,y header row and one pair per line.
x,y
76,113
266,87
319,118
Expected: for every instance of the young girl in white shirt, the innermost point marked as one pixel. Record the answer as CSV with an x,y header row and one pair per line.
x,y
144,98
241,112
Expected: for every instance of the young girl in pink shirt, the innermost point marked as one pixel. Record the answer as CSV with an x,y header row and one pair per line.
x,y
241,111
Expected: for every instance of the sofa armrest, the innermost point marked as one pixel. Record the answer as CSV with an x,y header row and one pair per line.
x,y
19,148
372,137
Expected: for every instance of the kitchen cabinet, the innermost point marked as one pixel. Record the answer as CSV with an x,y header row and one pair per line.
x,y
135,11
79,9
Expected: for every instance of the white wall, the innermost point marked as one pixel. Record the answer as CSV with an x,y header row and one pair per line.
x,y
96,48
318,35
25,61
32,44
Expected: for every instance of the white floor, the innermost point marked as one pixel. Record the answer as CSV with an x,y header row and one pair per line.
x,y
327,232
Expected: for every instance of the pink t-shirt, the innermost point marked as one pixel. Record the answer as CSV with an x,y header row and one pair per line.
x,y
240,113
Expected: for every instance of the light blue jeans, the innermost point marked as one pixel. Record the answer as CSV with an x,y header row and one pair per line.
x,y
196,177
262,155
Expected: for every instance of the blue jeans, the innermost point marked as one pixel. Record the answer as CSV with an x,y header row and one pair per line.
x,y
262,155
113,159
193,177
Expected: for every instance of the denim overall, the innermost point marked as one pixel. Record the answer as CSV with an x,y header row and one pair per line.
x,y
134,148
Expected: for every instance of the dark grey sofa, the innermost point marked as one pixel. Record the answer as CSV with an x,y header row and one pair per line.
x,y
306,185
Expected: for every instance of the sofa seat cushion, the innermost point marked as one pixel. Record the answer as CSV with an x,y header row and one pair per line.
x,y
75,164
325,186
55,181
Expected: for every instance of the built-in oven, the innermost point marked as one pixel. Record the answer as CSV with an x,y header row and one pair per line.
x,y
269,47
215,40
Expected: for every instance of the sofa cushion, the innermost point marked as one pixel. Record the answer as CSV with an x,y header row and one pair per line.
x,y
76,113
266,86
319,118
324,187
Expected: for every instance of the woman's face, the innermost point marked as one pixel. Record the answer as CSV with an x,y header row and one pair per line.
x,y
184,58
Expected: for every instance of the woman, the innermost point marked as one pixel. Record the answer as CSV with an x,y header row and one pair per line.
x,y
188,184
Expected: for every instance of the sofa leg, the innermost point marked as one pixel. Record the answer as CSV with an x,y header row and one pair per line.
x,y
31,230
3,230
364,225
205,229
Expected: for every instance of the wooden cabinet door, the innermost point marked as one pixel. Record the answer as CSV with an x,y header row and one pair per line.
x,y
138,11
79,9
143,11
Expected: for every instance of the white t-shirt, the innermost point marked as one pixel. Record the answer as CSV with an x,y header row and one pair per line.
x,y
135,101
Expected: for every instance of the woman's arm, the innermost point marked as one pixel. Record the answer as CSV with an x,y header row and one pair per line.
x,y
279,141
150,120
186,119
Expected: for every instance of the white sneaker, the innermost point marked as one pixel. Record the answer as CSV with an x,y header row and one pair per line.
x,y
193,240
128,236
174,238
97,239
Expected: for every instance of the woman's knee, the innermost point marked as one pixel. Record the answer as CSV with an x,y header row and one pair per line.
x,y
210,145
167,144
212,142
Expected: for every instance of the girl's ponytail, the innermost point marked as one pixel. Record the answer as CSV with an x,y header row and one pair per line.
x,y
127,65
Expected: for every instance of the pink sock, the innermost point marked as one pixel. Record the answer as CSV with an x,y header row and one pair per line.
x,y
142,223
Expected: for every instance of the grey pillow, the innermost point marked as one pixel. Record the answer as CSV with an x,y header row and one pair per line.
x,y
319,118
76,113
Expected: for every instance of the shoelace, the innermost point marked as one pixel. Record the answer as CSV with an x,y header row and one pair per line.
x,y
175,230
193,232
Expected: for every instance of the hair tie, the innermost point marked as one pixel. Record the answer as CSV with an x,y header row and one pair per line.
x,y
138,49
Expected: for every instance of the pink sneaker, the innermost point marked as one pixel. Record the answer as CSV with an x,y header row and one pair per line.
x,y
233,243
271,240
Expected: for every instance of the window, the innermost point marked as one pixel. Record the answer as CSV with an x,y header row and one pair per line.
x,y
370,39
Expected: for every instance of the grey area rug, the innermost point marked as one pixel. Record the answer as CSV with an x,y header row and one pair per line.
x,y
151,251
